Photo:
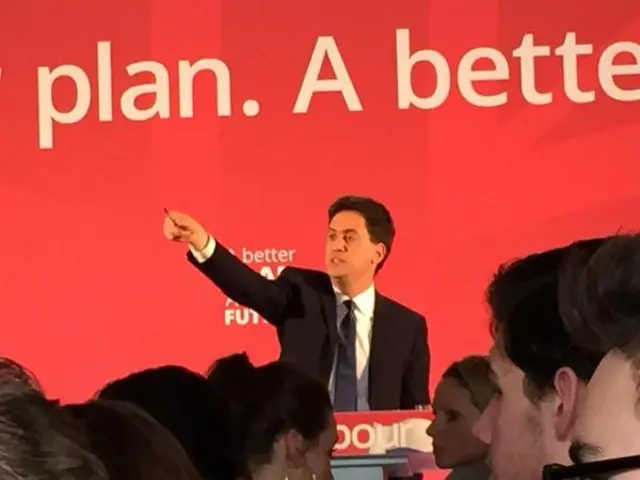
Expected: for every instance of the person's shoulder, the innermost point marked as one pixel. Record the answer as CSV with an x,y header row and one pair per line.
x,y
402,312
306,275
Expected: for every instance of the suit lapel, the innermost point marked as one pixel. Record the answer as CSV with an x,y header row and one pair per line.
x,y
381,340
330,315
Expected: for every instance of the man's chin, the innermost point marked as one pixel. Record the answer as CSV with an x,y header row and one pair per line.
x,y
337,275
336,272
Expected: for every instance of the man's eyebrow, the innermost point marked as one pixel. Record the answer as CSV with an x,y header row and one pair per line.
x,y
581,452
346,230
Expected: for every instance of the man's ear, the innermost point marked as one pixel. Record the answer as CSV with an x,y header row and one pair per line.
x,y
380,252
568,388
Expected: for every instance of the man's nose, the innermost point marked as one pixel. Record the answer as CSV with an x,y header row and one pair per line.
x,y
431,429
339,245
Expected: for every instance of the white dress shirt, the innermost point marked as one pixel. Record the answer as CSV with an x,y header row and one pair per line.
x,y
364,305
204,254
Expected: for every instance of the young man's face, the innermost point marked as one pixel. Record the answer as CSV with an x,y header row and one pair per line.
x,y
522,436
348,248
608,424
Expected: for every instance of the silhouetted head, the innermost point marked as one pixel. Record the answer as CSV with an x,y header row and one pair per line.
x,y
285,420
11,371
37,440
130,443
230,379
183,402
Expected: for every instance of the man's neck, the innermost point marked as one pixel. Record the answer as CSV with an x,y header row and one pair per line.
x,y
352,287
558,454
269,472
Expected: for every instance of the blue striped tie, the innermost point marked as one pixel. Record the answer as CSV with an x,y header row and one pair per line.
x,y
346,377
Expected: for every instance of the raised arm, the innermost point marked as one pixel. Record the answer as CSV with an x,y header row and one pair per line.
x,y
235,279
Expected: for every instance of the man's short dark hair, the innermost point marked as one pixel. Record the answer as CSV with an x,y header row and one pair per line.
x,y
526,322
376,216
600,297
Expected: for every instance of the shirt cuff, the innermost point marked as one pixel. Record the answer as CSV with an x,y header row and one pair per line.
x,y
205,254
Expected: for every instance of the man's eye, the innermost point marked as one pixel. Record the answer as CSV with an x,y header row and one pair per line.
x,y
452,416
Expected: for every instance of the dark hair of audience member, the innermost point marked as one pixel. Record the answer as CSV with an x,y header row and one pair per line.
x,y
230,378
183,402
37,440
11,371
270,401
130,443
600,297
526,322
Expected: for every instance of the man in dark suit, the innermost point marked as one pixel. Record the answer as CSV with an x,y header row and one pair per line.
x,y
369,350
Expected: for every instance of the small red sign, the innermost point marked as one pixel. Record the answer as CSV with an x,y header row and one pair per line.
x,y
381,431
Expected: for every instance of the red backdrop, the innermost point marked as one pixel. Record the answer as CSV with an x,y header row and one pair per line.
x,y
478,173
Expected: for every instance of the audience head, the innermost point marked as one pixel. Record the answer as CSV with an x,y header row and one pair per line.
x,y
130,443
183,402
226,379
285,421
465,390
37,440
540,372
361,233
11,371
601,308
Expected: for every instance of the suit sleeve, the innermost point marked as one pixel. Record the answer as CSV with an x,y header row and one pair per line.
x,y
415,384
244,285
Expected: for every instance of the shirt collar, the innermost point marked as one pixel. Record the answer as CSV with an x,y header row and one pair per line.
x,y
364,302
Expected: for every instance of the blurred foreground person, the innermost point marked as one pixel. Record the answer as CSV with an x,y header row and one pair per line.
x,y
465,390
541,373
230,378
183,402
284,420
600,304
131,444
11,371
37,440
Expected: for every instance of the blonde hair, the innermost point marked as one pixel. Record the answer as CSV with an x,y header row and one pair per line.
x,y
473,373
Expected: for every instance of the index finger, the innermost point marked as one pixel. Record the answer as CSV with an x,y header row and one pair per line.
x,y
168,214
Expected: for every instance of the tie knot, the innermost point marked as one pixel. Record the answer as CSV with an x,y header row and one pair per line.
x,y
349,305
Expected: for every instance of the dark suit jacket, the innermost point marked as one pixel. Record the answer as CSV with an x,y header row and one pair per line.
x,y
301,304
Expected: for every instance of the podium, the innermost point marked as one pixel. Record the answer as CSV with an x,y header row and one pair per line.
x,y
370,467
382,444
